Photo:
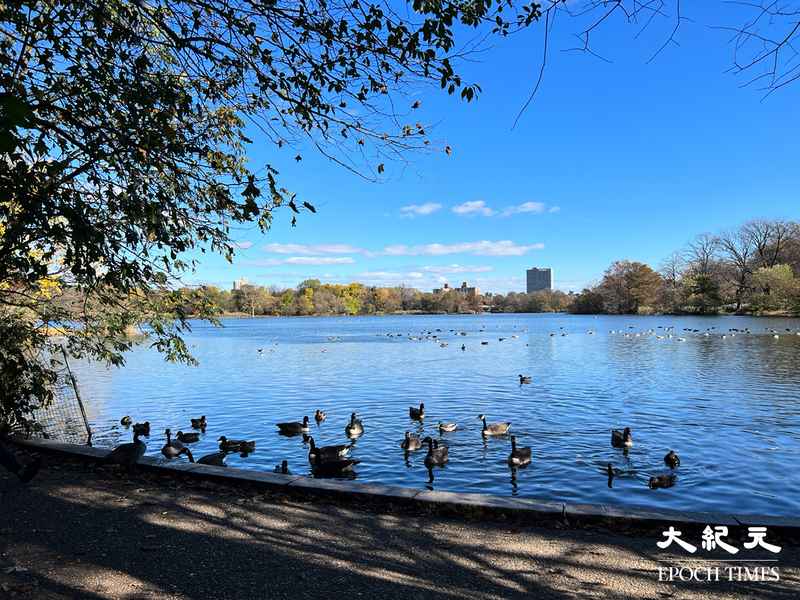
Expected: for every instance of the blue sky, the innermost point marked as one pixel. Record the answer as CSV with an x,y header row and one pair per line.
x,y
619,160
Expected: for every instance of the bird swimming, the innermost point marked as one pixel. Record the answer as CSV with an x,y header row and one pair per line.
x,y
294,427
437,455
417,413
621,439
519,456
672,460
524,379
411,442
354,428
494,428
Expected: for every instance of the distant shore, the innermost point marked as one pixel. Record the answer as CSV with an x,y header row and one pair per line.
x,y
242,315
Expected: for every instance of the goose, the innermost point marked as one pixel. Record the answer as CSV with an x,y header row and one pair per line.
x,y
621,439
519,456
198,423
437,455
417,413
188,438
411,442
327,452
172,448
672,460
227,445
283,468
142,428
126,421
354,428
494,428
447,427
525,379
216,459
294,427
320,416
333,468
661,481
129,454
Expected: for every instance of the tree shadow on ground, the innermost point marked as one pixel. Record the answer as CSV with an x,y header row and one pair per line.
x,y
91,534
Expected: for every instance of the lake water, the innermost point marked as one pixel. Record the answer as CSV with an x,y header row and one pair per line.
x,y
730,407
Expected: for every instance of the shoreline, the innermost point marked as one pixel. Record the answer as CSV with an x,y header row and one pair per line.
x,y
236,315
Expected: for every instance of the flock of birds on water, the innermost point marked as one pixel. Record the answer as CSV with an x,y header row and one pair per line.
x,y
334,461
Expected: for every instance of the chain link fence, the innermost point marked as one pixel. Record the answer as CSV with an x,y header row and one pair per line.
x,y
64,420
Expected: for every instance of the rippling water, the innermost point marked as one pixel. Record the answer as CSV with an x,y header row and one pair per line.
x,y
729,407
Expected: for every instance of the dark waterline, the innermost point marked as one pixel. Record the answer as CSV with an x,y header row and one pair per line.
x,y
730,407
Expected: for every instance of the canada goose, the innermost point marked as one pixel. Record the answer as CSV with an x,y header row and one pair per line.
x,y
494,428
354,428
437,455
142,428
672,460
661,481
126,421
129,454
227,445
417,413
283,468
188,438
294,427
524,379
198,423
411,442
333,468
319,416
326,452
621,439
173,447
519,456
216,459
447,427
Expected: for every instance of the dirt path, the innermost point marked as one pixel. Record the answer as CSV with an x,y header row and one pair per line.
x,y
77,532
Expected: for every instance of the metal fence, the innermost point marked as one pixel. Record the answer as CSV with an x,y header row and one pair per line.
x,y
64,419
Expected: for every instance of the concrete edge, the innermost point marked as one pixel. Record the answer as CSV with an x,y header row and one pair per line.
x,y
464,504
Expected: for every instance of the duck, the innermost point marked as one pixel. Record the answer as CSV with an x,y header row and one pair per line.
x,y
437,455
227,445
672,460
525,379
173,447
494,428
142,428
661,482
519,456
333,468
354,428
320,416
215,459
198,423
447,427
126,421
621,439
188,438
294,427
327,452
411,442
128,454
417,413
283,468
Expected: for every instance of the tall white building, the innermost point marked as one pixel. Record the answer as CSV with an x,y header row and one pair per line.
x,y
237,285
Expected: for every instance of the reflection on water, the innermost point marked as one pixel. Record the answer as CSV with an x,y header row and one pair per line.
x,y
729,406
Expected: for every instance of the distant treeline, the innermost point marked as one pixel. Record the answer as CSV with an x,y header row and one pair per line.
x,y
312,297
752,269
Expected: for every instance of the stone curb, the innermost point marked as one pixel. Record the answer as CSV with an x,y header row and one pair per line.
x,y
463,504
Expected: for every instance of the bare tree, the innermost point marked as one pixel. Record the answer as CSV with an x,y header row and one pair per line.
x,y
702,255
770,239
738,249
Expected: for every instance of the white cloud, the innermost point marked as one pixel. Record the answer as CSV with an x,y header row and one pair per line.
x,y
525,207
473,207
243,245
481,248
300,260
554,209
413,210
313,249
450,269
